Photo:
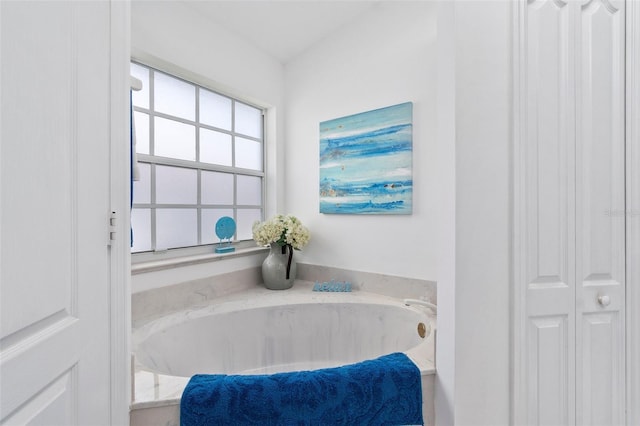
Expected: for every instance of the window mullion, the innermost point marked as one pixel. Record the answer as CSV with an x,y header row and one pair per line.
x,y
165,161
233,160
152,148
154,207
264,167
199,171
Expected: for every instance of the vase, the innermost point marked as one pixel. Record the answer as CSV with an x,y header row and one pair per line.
x,y
279,268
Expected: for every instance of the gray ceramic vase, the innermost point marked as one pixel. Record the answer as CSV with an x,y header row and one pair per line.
x,y
274,268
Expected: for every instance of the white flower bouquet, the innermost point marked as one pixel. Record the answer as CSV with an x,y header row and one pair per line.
x,y
281,230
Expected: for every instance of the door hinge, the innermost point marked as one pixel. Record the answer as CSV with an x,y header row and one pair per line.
x,y
112,227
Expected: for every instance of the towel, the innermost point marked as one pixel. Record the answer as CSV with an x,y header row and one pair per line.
x,y
382,391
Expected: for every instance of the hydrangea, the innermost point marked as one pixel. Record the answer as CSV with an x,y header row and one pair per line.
x,y
282,230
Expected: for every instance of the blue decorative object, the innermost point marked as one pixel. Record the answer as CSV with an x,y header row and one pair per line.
x,y
225,230
332,285
382,391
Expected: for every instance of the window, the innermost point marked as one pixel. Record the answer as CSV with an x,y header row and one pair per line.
x,y
200,157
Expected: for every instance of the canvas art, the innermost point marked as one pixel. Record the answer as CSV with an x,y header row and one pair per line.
x,y
366,162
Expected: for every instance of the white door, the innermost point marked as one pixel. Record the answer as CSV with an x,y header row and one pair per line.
x,y
600,213
54,187
569,222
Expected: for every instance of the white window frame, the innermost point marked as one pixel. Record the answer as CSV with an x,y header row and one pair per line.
x,y
200,248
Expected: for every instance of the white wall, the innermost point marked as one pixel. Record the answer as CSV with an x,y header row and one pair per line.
x,y
173,37
385,57
483,212
446,219
176,33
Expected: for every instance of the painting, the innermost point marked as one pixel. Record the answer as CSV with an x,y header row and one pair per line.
x,y
366,162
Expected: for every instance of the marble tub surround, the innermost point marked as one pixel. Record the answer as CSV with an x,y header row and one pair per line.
x,y
163,406
151,304
388,285
156,395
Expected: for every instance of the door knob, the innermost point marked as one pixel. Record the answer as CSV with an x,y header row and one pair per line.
x,y
604,300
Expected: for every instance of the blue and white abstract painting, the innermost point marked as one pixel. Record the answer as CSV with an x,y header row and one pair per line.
x,y
366,162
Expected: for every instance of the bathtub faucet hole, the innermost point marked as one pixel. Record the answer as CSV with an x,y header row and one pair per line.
x,y
424,303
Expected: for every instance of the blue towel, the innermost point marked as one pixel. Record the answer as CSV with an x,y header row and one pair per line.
x,y
383,391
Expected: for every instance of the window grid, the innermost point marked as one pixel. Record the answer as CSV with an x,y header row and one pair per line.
x,y
153,161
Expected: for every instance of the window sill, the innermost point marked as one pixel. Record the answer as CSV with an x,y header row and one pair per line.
x,y
176,262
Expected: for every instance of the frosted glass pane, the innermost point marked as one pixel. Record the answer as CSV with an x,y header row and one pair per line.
x,y
141,126
174,139
174,97
215,110
248,120
142,187
249,190
217,188
248,154
209,219
176,185
244,223
140,97
141,229
176,228
215,147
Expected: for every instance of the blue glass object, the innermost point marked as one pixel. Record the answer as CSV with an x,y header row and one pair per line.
x,y
225,229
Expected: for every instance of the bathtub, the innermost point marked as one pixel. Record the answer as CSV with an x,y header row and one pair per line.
x,y
265,332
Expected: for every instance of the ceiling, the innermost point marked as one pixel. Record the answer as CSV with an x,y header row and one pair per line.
x,y
283,29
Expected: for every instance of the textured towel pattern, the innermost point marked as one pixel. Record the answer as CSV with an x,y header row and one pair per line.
x,y
383,391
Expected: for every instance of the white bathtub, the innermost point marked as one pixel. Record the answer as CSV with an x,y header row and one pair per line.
x,y
267,332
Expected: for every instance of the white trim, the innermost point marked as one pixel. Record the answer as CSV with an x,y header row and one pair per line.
x,y
633,212
518,343
177,262
120,274
180,253
444,398
136,84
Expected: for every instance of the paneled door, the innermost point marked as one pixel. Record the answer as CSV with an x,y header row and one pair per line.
x,y
569,212
600,212
54,188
